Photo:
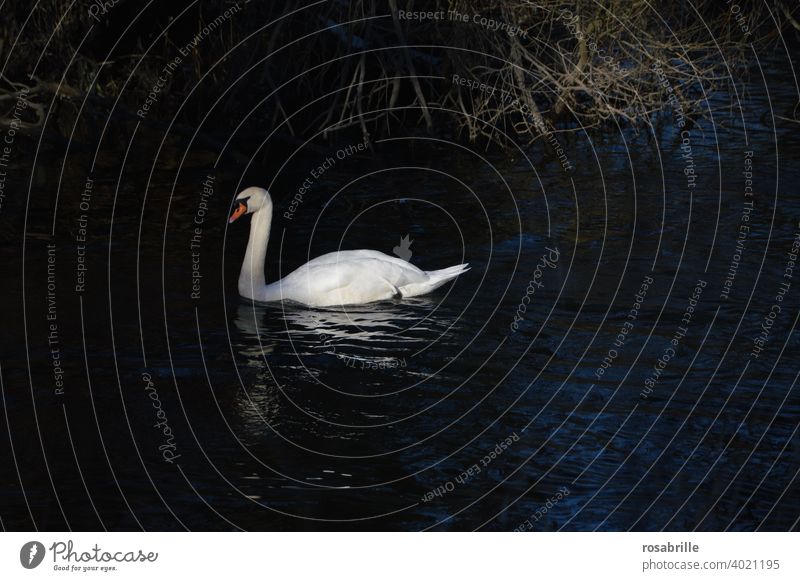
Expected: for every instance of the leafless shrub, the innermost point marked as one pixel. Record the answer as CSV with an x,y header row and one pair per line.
x,y
357,65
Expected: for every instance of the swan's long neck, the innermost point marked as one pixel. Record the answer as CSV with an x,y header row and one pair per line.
x,y
252,284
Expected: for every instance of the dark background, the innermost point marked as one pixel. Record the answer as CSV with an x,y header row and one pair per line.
x,y
290,418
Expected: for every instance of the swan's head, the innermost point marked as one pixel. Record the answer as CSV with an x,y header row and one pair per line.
x,y
248,201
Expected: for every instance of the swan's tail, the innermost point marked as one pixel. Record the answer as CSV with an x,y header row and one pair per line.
x,y
436,278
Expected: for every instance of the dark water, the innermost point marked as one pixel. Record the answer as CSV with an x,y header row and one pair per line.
x,y
458,410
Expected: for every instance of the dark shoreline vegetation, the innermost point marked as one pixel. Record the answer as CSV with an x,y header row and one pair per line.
x,y
523,70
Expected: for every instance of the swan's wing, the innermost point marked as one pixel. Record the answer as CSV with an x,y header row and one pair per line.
x,y
356,255
349,277
395,270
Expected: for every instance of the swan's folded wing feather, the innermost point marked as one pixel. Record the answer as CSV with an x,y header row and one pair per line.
x,y
347,280
356,256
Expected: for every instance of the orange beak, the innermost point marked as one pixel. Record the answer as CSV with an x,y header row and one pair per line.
x,y
240,211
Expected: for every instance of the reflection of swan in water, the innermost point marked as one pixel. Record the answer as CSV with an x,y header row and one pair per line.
x,y
371,333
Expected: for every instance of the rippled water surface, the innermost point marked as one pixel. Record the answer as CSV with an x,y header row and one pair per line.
x,y
473,407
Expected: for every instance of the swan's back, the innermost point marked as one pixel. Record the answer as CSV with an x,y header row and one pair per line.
x,y
358,255
350,277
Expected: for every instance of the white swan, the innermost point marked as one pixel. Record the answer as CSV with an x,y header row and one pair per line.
x,y
349,277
